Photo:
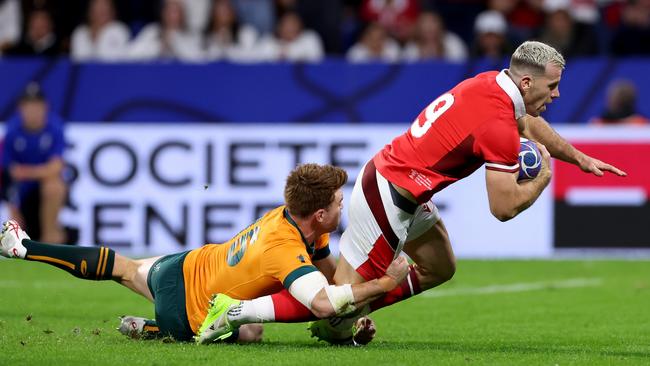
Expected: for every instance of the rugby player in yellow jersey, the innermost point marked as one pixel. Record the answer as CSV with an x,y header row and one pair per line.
x,y
284,249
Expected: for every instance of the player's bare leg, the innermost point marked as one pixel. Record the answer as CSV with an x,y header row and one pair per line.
x,y
434,258
345,273
97,263
88,263
53,192
435,264
133,273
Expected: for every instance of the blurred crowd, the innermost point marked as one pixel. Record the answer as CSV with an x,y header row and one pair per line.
x,y
309,30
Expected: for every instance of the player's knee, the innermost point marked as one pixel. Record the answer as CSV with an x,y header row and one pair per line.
x,y
432,277
447,272
127,269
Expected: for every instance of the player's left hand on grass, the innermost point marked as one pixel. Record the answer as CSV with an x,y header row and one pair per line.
x,y
364,331
596,167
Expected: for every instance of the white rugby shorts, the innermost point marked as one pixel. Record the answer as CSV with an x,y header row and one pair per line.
x,y
380,221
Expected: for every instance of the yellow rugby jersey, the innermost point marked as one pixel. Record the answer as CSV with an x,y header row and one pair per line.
x,y
262,259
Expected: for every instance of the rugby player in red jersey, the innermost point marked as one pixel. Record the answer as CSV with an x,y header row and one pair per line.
x,y
477,122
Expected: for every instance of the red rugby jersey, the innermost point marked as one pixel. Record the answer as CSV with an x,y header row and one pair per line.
x,y
473,123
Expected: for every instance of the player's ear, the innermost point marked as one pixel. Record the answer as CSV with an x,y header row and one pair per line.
x,y
526,82
319,214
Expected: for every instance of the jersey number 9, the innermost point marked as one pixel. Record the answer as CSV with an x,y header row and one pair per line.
x,y
431,113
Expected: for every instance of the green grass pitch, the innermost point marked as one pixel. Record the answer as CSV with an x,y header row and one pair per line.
x,y
493,313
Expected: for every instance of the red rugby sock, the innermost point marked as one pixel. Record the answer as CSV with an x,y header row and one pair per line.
x,y
289,310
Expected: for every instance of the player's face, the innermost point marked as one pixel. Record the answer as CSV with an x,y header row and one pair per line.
x,y
332,214
542,90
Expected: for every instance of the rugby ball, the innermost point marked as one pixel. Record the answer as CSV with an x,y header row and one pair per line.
x,y
530,159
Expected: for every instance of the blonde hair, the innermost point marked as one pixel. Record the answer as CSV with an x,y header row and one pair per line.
x,y
533,56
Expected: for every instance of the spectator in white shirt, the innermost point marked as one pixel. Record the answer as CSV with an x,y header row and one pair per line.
x,y
374,45
226,38
432,41
170,39
103,38
291,42
9,23
196,14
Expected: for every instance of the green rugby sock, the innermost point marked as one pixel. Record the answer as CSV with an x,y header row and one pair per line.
x,y
89,263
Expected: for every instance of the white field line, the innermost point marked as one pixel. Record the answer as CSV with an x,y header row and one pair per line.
x,y
514,287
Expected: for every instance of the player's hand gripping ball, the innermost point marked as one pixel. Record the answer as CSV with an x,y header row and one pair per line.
x,y
530,160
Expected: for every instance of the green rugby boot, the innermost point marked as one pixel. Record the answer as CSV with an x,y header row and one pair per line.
x,y
216,327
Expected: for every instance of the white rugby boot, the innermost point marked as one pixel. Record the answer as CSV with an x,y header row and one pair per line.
x,y
11,239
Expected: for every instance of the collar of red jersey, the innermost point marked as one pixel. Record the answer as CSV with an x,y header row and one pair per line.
x,y
509,86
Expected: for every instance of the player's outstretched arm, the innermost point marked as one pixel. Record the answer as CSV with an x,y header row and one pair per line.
x,y
332,300
507,197
537,129
309,296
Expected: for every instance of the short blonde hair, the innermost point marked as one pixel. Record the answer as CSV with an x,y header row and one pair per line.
x,y
533,56
311,187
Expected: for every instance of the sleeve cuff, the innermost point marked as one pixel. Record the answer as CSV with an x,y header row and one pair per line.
x,y
502,167
297,273
321,253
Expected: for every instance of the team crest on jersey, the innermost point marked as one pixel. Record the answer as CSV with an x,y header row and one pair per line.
x,y
301,258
